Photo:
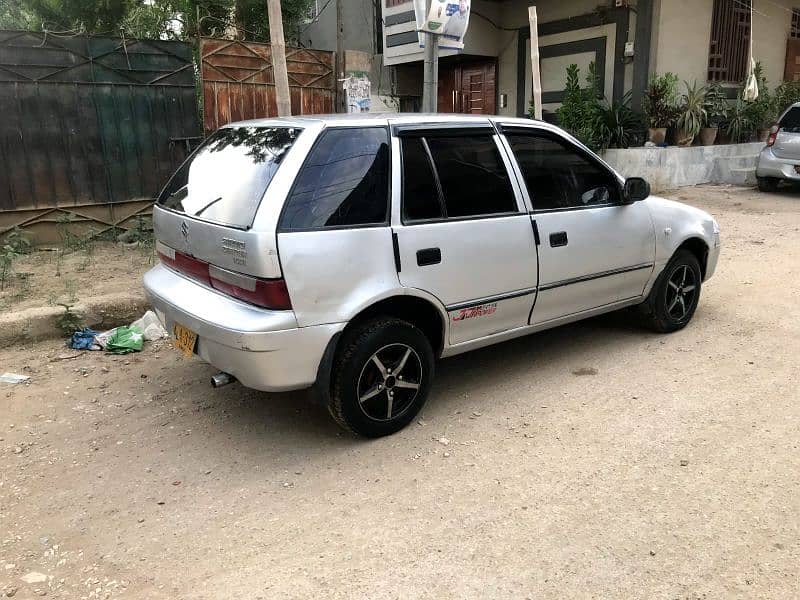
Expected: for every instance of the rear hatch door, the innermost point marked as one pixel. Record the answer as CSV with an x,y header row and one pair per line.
x,y
222,204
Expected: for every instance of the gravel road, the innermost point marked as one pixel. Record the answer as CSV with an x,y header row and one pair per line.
x,y
595,460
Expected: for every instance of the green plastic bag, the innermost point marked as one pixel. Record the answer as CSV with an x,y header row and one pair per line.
x,y
125,340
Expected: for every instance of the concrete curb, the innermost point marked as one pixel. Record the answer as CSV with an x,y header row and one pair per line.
x,y
101,313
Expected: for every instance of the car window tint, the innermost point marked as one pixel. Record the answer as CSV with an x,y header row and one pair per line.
x,y
473,177
558,176
420,194
203,186
791,121
344,181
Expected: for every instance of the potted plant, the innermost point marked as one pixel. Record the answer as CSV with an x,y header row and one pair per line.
x,y
691,114
716,113
738,121
762,112
659,106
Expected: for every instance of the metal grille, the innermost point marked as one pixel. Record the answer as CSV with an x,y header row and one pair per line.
x,y
91,120
795,32
730,39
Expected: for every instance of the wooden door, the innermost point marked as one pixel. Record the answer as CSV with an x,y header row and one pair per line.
x,y
792,72
468,88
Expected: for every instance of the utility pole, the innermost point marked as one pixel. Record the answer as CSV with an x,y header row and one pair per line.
x,y
340,66
279,58
536,75
430,80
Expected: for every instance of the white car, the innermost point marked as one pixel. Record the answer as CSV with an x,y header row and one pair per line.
x,y
350,252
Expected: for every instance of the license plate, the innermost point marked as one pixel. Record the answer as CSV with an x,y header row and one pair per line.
x,y
185,339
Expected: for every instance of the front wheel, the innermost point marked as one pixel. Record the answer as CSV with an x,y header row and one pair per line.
x,y
381,377
675,294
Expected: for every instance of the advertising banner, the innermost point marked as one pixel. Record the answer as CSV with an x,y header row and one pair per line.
x,y
448,19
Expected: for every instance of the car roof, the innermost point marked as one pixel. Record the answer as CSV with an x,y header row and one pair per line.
x,y
352,119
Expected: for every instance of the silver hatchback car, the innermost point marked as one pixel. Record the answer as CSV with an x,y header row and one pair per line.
x,y
780,159
348,253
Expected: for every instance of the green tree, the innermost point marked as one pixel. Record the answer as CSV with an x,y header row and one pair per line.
x,y
99,16
170,19
15,15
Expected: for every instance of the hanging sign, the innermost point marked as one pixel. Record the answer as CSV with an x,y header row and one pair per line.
x,y
447,19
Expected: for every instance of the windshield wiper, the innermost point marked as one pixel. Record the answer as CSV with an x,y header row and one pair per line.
x,y
202,210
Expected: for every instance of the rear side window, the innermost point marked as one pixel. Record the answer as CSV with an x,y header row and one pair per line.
x,y
420,193
559,177
472,175
344,181
225,179
791,121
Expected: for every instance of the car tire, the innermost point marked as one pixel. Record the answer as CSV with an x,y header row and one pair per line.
x,y
675,294
382,374
768,184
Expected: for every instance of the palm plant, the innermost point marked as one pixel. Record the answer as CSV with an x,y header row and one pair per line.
x,y
692,113
738,121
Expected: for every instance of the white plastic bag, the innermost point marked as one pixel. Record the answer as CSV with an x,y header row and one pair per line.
x,y
151,326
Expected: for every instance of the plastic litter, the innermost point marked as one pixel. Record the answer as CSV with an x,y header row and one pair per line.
x,y
14,378
124,340
84,340
151,326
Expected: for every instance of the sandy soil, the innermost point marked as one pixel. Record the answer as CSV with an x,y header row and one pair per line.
x,y
595,460
60,275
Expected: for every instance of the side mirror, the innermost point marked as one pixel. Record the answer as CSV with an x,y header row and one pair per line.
x,y
635,189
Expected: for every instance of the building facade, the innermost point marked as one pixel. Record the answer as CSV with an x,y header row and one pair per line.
x,y
363,43
698,40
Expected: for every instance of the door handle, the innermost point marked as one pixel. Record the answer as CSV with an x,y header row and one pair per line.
x,y
429,256
558,238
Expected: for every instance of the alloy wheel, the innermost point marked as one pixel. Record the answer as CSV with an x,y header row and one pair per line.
x,y
389,382
681,292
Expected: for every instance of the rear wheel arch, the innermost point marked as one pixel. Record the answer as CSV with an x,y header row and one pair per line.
x,y
420,312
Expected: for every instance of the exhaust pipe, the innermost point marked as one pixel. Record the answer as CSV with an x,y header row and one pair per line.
x,y
220,379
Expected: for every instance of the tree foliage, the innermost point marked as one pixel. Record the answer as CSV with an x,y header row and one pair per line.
x,y
160,19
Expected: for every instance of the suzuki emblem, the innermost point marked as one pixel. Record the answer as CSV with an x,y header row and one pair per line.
x,y
185,231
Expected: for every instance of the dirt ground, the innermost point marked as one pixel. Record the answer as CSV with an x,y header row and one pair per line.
x,y
65,275
594,460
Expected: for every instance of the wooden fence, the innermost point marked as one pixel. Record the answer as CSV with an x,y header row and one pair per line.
x,y
238,82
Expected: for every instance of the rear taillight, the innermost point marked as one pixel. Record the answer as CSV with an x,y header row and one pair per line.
x,y
773,135
267,293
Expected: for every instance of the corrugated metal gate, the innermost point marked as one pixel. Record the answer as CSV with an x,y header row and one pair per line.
x,y
238,81
89,124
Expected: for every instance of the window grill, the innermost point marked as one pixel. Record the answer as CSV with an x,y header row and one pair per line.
x,y
730,39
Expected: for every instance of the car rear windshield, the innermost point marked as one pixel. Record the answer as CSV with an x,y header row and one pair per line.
x,y
225,179
791,120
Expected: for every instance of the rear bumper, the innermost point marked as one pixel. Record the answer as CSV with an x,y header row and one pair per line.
x,y
264,350
770,165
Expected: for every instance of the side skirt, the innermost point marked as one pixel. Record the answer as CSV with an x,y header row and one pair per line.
x,y
528,329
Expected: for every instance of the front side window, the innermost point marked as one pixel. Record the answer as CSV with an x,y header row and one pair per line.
x,y
559,177
226,177
343,182
472,176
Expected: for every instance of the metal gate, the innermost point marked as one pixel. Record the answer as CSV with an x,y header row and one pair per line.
x,y
90,124
238,82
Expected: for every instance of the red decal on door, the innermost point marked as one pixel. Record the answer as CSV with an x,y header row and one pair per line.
x,y
484,310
